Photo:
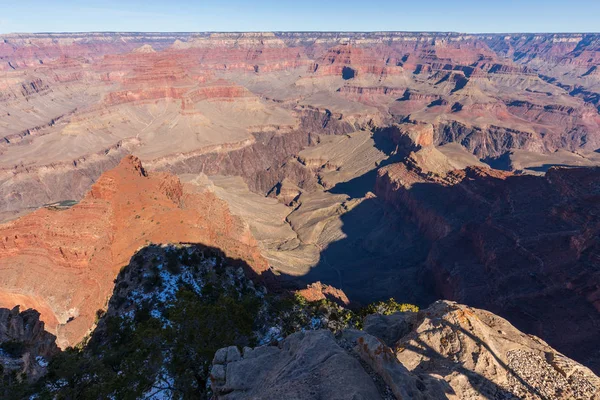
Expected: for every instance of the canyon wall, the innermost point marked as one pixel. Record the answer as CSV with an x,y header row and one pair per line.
x,y
73,104
511,244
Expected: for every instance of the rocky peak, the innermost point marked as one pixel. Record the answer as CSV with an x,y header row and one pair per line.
x,y
69,258
134,164
146,48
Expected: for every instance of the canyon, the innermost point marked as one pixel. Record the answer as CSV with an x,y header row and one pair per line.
x,y
73,104
179,315
418,166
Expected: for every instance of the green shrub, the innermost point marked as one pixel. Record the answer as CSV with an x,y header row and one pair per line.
x,y
387,307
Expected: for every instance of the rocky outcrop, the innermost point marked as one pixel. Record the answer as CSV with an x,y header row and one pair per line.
x,y
318,291
304,366
26,347
266,161
447,351
485,141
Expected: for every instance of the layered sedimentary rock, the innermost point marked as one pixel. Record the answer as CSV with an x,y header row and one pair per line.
x,y
69,99
63,262
511,244
317,291
315,121
447,351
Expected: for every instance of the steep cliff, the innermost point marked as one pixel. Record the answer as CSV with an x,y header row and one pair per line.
x,y
26,348
511,244
179,315
73,104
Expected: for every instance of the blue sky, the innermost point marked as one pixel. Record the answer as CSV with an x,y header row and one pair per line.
x,y
300,15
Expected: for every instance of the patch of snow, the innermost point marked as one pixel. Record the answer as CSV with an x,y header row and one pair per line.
x,y
171,283
41,361
161,388
315,323
274,333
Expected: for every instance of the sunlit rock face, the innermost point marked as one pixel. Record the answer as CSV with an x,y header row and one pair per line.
x,y
447,351
63,262
358,160
78,102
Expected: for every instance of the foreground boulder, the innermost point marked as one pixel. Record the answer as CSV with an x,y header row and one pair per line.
x,y
447,351
306,365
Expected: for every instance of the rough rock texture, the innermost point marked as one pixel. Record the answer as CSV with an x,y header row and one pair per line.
x,y
63,262
318,291
389,328
36,346
264,107
71,105
306,365
472,354
447,351
511,244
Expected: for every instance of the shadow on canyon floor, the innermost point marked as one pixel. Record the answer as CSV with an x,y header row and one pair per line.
x,y
382,253
487,243
506,257
359,186
380,257
546,167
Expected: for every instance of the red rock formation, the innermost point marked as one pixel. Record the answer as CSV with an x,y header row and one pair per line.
x,y
370,95
24,50
221,89
318,291
349,62
370,91
154,76
62,263
491,93
409,137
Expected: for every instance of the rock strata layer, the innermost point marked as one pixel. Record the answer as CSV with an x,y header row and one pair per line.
x,y
63,262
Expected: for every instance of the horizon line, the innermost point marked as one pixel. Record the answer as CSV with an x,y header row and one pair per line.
x,y
306,31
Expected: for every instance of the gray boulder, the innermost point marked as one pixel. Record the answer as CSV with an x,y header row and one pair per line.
x,y
306,365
